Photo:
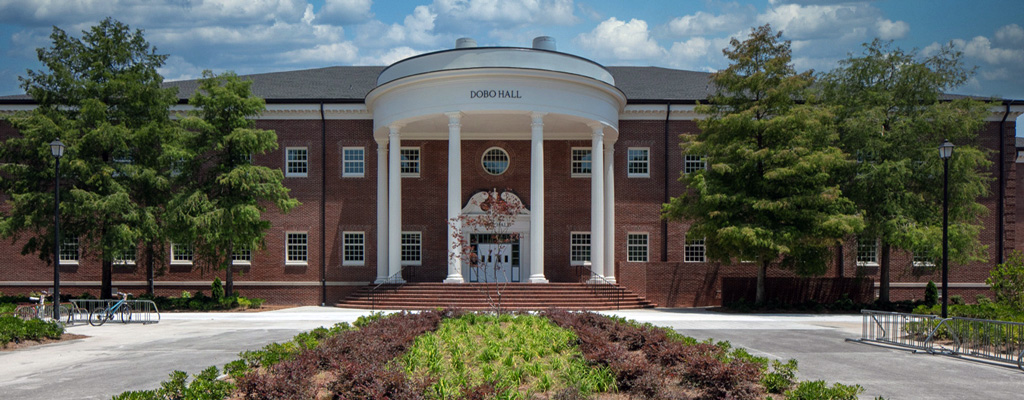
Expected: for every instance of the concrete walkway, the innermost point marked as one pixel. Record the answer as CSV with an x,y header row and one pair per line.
x,y
116,358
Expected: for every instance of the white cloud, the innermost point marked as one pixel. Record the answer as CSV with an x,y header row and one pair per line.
x,y
391,56
888,29
556,12
1010,34
623,40
703,23
980,47
344,12
336,53
177,69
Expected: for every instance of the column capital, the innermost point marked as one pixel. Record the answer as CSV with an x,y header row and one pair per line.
x,y
538,116
597,127
393,129
454,116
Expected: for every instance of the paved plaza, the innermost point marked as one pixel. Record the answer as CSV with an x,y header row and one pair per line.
x,y
115,357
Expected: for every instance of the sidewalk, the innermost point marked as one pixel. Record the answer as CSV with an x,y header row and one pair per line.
x,y
116,358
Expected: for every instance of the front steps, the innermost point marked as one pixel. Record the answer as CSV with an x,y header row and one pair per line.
x,y
515,296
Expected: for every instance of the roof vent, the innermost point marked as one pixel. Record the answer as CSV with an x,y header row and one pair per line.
x,y
544,43
465,43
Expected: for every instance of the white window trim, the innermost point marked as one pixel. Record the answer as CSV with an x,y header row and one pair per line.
x,y
483,159
362,262
647,246
78,252
591,246
411,263
124,261
181,262
703,160
288,174
856,255
648,163
287,261
920,264
345,161
419,162
704,245
243,262
581,175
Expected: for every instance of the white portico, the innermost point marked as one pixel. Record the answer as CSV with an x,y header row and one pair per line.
x,y
474,93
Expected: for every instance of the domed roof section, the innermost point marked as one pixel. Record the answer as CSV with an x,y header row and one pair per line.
x,y
467,56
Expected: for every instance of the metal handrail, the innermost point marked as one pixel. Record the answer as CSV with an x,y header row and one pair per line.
x,y
393,282
593,285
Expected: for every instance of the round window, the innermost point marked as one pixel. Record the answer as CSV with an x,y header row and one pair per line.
x,y
495,161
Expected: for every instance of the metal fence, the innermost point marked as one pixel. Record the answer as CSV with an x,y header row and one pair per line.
x,y
143,311
993,341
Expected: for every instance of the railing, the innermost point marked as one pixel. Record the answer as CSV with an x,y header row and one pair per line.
x,y
979,339
391,284
143,311
596,282
45,312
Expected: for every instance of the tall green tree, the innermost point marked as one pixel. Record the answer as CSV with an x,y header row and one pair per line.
x,y
101,95
219,209
769,193
891,119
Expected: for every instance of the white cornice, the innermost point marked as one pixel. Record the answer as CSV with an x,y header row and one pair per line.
x,y
680,112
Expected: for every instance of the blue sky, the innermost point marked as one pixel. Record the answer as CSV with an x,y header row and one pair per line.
x,y
250,36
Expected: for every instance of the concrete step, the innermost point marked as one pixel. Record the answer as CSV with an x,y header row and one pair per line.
x,y
482,296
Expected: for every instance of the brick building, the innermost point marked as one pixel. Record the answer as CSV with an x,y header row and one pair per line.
x,y
382,157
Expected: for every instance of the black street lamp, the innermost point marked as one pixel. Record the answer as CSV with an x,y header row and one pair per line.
x,y
57,149
945,152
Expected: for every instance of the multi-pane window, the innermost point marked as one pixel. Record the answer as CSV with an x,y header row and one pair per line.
x,y
410,162
353,248
297,250
581,161
867,252
638,162
693,163
412,248
181,254
636,247
126,256
241,256
921,259
69,251
693,250
296,162
495,161
353,162
579,247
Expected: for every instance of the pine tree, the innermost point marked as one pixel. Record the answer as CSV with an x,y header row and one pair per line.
x,y
769,193
891,120
101,96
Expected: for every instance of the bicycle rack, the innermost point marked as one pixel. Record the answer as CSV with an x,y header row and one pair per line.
x,y
143,311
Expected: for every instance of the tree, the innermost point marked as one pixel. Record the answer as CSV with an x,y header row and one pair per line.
x,y
891,119
101,96
769,192
499,213
219,207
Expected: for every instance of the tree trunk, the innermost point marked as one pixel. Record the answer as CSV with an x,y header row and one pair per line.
x,y
105,280
883,272
761,271
229,286
149,270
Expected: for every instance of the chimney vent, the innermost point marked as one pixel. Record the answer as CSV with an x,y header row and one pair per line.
x,y
544,43
465,43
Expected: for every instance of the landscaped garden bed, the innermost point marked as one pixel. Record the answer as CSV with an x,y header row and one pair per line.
x,y
450,354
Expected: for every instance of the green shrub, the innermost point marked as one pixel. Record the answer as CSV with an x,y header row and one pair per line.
x,y
1007,281
217,289
819,390
931,294
204,386
957,299
781,378
14,329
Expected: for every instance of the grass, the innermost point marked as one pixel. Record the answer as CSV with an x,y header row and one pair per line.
x,y
518,356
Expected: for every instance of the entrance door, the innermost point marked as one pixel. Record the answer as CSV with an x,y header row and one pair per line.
x,y
496,262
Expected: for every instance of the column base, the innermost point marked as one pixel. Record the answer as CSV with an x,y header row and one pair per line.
x,y
610,279
379,281
538,279
454,279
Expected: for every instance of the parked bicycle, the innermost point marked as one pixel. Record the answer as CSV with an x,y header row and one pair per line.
x,y
42,311
122,309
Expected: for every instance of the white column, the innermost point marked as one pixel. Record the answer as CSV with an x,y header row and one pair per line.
x,y
382,211
609,212
395,206
537,199
597,201
454,198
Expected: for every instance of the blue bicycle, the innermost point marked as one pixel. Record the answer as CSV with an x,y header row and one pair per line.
x,y
122,309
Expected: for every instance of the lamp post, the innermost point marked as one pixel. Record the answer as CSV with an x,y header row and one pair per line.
x,y
945,152
57,149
